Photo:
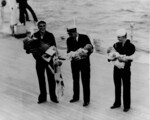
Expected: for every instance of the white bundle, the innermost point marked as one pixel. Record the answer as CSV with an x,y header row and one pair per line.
x,y
81,53
119,64
49,53
113,56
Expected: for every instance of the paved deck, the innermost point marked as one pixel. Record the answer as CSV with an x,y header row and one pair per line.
x,y
19,89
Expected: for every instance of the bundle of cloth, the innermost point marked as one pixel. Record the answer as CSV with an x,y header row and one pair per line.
x,y
113,57
48,53
34,46
81,53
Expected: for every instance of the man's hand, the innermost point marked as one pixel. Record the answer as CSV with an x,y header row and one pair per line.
x,y
76,57
46,55
122,59
34,38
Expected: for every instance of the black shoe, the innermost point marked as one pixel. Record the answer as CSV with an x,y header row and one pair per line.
x,y
74,100
55,101
86,104
126,109
41,101
115,106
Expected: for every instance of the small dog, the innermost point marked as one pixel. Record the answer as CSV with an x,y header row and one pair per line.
x,y
58,77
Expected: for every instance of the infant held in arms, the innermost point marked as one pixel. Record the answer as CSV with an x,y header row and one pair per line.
x,y
113,56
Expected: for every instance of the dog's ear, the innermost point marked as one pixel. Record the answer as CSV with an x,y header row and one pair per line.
x,y
57,81
62,83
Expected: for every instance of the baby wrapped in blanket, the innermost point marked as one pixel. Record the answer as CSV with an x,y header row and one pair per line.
x,y
82,53
113,56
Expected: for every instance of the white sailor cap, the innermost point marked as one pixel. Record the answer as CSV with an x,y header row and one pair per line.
x,y
71,29
121,32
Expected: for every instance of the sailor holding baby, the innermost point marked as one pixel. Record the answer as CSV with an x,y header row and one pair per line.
x,y
122,55
79,49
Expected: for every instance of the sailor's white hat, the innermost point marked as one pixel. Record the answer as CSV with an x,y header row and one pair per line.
x,y
71,29
121,32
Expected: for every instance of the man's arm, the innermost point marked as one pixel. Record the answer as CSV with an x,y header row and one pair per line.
x,y
126,58
52,40
89,47
68,46
130,56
